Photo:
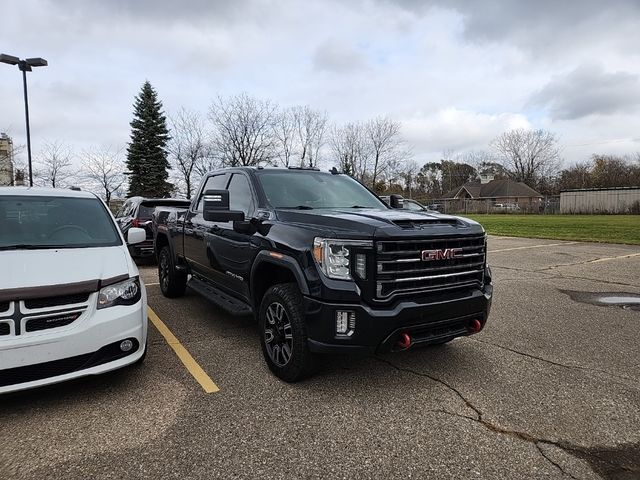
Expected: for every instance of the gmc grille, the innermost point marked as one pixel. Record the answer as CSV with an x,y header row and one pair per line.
x,y
400,268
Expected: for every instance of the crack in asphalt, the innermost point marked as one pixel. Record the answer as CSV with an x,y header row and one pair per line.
x,y
551,461
489,425
610,375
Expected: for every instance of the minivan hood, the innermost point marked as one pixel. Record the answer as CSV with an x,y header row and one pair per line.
x,y
37,268
378,222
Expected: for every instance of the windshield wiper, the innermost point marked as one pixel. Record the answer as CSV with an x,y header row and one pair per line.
x,y
298,207
29,246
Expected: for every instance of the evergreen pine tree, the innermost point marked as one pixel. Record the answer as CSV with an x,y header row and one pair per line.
x,y
147,162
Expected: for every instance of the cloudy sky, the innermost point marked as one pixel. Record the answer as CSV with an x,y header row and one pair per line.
x,y
455,73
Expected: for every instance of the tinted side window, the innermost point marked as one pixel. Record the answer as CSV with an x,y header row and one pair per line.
x,y
240,197
217,182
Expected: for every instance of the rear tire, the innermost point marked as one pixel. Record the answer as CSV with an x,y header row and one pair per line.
x,y
173,283
283,333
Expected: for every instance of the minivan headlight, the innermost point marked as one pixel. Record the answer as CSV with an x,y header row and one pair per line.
x,y
122,293
333,256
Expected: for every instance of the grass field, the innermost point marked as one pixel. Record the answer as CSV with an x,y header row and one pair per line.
x,y
586,228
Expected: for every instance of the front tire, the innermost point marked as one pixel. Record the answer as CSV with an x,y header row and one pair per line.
x,y
284,334
172,282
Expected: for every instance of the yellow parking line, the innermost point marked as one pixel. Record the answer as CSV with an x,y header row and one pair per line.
x,y
606,259
190,364
533,246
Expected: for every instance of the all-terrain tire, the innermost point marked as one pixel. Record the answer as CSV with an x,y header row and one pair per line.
x,y
173,283
283,333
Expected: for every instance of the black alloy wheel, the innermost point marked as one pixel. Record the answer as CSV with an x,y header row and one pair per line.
x,y
278,336
283,332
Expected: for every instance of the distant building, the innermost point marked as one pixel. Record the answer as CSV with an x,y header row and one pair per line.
x,y
601,200
498,192
6,163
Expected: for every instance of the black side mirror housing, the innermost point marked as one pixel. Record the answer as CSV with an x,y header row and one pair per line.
x,y
216,207
396,201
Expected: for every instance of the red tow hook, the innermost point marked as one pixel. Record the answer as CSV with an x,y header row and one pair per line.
x,y
475,326
404,342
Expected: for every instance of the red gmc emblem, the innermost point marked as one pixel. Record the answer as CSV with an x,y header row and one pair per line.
x,y
444,254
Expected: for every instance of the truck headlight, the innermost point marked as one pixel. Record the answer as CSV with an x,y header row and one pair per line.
x,y
123,293
334,257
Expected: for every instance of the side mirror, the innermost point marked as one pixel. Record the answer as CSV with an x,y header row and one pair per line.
x,y
216,207
396,201
136,235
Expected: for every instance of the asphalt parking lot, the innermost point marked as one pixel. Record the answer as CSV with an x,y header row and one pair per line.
x,y
549,389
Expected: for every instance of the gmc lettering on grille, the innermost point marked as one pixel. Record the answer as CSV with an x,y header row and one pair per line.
x,y
444,254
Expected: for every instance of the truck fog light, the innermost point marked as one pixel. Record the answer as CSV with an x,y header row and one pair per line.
x,y
126,345
345,322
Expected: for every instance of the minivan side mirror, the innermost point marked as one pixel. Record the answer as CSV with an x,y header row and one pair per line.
x,y
216,207
396,201
136,235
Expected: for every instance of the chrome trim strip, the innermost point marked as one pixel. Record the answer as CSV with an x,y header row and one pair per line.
x,y
429,277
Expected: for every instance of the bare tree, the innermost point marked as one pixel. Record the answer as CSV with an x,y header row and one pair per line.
x,y
285,133
528,155
54,162
208,163
386,146
310,127
409,173
188,148
103,169
243,131
350,148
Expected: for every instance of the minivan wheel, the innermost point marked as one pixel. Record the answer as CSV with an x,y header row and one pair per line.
x,y
172,282
284,335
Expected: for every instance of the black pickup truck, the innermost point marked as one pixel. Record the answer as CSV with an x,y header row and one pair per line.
x,y
323,264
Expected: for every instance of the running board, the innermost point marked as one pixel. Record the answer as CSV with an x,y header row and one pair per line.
x,y
218,297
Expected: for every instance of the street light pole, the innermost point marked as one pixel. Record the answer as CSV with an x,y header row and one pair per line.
x,y
25,66
26,115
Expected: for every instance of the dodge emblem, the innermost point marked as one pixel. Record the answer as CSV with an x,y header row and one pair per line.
x,y
444,254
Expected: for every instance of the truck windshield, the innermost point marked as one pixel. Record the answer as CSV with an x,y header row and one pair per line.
x,y
311,189
40,222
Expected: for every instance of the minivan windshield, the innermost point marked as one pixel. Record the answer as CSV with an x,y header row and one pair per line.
x,y
37,222
311,189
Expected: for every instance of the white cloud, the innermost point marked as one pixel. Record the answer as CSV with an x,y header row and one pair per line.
x,y
459,130
339,57
455,73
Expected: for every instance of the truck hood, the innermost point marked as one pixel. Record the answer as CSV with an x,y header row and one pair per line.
x,y
37,268
380,222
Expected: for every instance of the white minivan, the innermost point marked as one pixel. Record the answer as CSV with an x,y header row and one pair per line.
x,y
71,300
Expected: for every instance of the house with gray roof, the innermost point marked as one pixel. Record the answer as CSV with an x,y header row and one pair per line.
x,y
498,192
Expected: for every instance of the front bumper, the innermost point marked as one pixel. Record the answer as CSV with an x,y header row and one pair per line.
x,y
88,346
426,321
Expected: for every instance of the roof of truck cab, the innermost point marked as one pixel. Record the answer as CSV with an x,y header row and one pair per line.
x,y
44,192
